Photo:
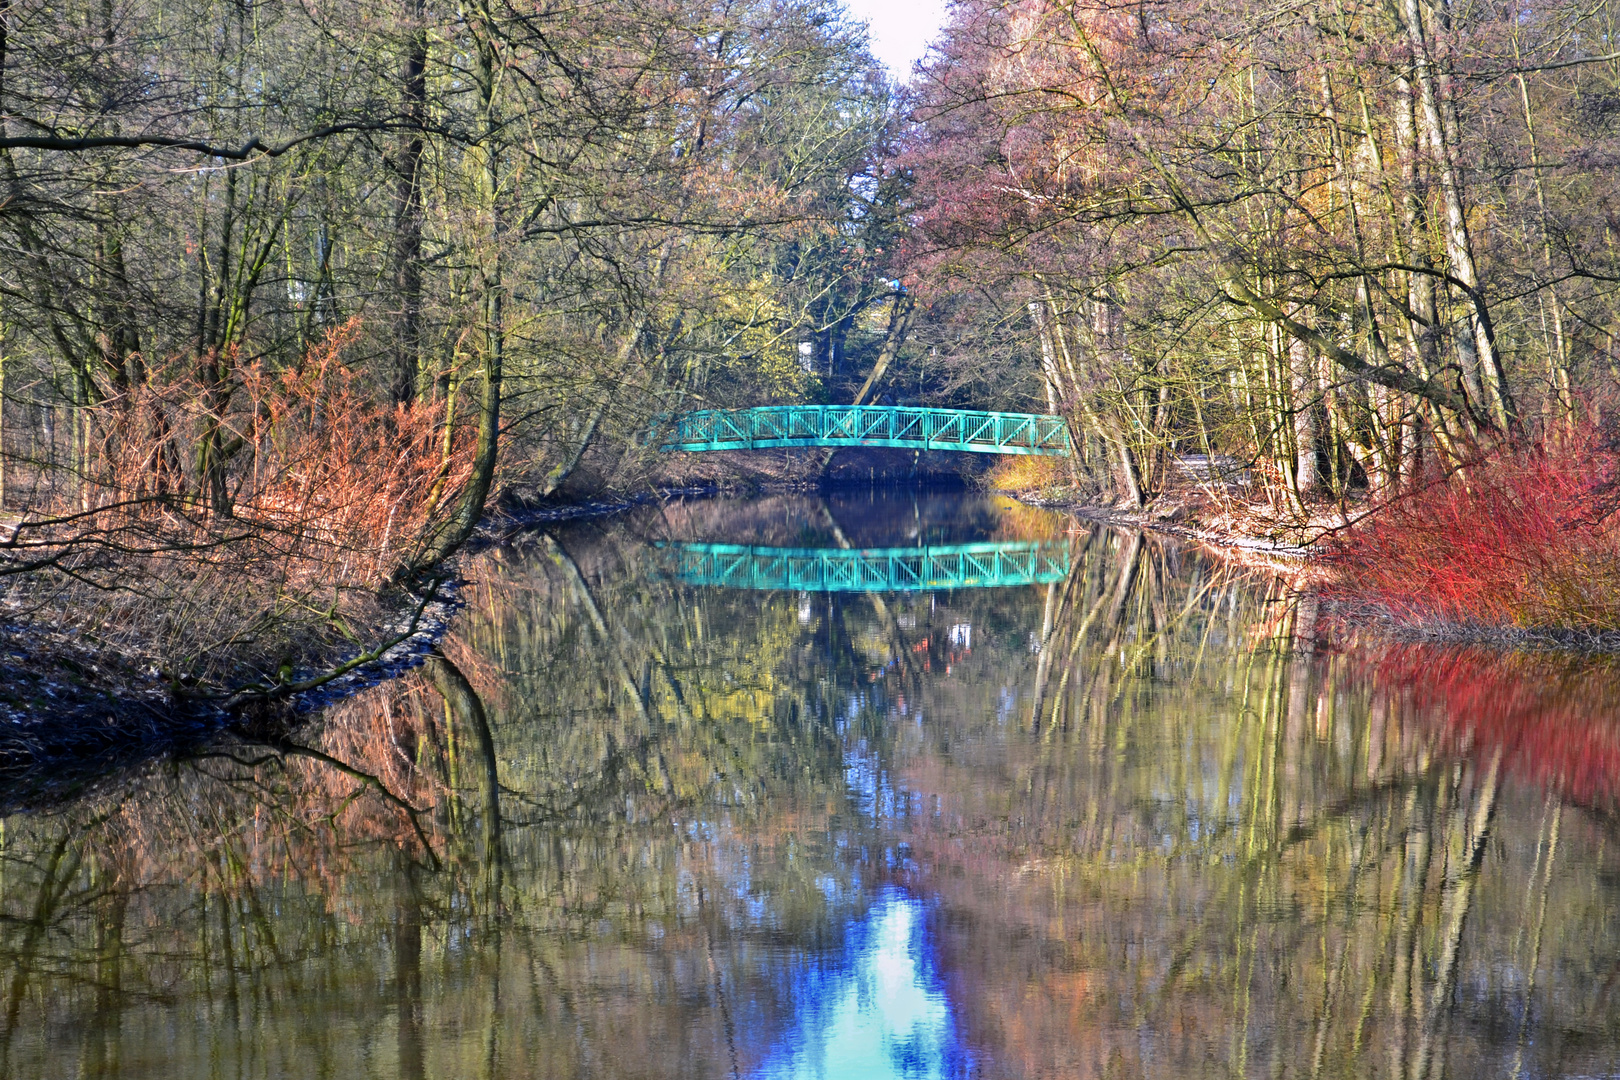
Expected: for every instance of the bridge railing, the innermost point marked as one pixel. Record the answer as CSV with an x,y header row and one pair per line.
x,y
910,427
941,566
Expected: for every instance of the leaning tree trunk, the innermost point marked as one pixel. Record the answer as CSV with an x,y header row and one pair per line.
x,y
458,529
899,324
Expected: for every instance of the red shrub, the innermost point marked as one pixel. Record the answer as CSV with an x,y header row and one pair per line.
x,y
1527,537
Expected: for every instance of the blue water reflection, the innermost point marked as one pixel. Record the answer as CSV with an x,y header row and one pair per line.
x,y
879,1013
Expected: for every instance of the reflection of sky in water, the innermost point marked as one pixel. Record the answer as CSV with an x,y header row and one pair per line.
x,y
878,1013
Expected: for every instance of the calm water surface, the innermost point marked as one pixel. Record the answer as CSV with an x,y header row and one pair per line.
x,y
894,785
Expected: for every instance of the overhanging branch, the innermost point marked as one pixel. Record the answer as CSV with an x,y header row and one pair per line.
x,y
254,147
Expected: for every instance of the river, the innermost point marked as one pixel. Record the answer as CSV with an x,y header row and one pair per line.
x,y
884,784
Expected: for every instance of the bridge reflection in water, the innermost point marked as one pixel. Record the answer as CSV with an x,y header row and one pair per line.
x,y
982,565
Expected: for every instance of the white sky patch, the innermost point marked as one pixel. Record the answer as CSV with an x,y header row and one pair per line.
x,y
880,1016
902,30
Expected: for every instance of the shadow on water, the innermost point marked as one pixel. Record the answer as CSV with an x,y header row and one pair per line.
x,y
1135,819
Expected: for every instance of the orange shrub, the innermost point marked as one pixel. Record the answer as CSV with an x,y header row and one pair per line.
x,y
342,472
314,468
274,554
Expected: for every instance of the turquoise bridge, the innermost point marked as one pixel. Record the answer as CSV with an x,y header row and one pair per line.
x,y
944,566
868,425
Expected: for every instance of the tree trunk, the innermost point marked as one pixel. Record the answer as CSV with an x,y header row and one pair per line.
x,y
2,419
899,324
408,208
1129,474
1301,374
1065,397
565,468
1476,349
1558,355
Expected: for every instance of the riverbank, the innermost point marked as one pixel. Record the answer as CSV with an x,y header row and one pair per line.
x,y
74,708
1251,528
1518,548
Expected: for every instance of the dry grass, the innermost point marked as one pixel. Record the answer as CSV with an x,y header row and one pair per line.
x,y
1029,474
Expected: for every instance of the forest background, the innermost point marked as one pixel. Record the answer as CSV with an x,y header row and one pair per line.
x,y
292,290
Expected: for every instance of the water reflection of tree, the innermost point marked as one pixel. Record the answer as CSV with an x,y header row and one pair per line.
x,y
1167,835
563,841
1224,854
608,781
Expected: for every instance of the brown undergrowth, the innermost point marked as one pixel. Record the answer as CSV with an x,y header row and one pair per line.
x,y
1228,515
210,541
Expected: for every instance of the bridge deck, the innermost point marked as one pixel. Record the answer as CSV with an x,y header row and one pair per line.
x,y
942,566
869,425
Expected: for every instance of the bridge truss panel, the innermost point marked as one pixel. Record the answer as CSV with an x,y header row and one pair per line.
x,y
907,427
